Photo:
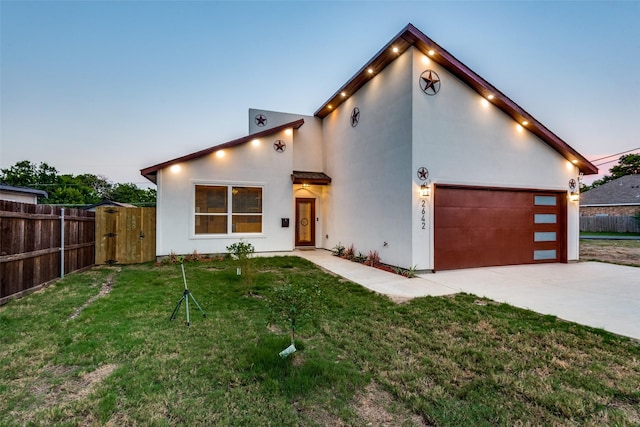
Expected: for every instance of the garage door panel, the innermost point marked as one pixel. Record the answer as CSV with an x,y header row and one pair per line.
x,y
479,217
477,227
484,237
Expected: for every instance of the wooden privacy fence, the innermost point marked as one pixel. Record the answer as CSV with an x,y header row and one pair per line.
x,y
613,224
39,243
125,235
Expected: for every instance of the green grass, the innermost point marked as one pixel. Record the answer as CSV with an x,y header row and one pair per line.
x,y
606,233
363,359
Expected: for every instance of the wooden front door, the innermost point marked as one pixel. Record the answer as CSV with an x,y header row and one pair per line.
x,y
305,222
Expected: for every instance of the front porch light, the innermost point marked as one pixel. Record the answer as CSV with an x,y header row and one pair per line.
x,y
574,196
425,190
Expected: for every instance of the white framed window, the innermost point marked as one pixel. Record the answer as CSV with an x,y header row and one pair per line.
x,y
227,209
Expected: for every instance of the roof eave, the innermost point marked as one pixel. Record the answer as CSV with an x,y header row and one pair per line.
x,y
411,36
151,172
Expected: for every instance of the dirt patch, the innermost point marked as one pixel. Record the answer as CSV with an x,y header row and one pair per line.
x,y
372,405
624,252
106,288
71,389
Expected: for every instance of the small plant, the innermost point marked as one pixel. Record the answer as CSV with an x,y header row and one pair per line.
x,y
242,252
373,258
411,272
360,257
338,250
290,305
398,270
349,253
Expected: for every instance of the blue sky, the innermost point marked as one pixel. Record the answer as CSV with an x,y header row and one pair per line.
x,y
111,87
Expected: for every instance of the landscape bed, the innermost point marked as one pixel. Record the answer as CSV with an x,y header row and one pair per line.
x,y
97,348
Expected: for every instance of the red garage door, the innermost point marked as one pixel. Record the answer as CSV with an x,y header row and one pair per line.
x,y
479,227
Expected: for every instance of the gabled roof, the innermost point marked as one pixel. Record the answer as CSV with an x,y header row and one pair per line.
x,y
622,191
24,190
411,36
151,172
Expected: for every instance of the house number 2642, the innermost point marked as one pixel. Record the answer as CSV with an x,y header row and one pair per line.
x,y
423,221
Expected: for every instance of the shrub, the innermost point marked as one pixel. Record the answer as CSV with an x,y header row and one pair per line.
x,y
242,252
291,304
350,252
338,250
373,258
360,257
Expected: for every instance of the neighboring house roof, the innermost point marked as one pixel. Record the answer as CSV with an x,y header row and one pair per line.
x,y
411,36
110,203
622,191
24,190
311,178
151,173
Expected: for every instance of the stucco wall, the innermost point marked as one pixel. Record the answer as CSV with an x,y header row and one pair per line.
x,y
248,164
369,201
307,151
463,139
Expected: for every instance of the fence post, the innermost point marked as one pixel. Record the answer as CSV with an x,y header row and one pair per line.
x,y
62,243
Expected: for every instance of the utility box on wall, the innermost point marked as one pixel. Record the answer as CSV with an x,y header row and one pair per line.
x,y
285,222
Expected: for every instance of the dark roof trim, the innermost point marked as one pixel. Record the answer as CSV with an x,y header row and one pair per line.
x,y
411,36
311,178
151,172
24,190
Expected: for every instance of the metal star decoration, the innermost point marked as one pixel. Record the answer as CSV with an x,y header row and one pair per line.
x,y
279,146
430,82
423,174
261,120
355,117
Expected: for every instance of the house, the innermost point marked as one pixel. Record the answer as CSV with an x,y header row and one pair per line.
x,y
620,197
21,194
416,157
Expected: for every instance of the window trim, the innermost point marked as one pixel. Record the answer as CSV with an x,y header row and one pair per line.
x,y
229,185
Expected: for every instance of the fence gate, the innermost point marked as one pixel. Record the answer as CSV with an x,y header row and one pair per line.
x,y
125,235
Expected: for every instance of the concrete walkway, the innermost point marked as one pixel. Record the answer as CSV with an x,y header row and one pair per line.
x,y
595,294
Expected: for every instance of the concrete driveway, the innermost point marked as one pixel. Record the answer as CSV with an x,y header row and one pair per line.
x,y
595,294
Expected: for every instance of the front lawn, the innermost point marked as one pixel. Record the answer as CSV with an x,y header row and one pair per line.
x,y
98,348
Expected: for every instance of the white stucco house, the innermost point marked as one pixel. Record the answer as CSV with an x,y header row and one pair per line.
x,y
416,157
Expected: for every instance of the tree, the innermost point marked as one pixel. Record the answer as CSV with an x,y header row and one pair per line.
x,y
27,174
628,164
84,189
242,252
131,193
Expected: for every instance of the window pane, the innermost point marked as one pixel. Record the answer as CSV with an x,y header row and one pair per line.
x,y
544,236
247,224
545,218
211,224
210,199
545,200
543,255
247,199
